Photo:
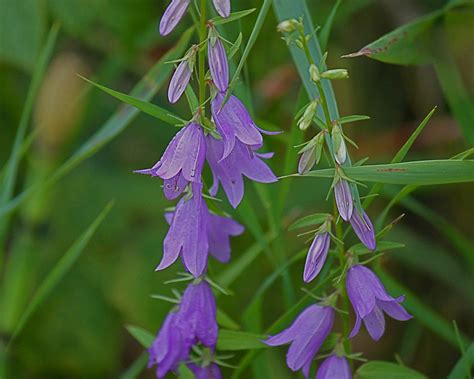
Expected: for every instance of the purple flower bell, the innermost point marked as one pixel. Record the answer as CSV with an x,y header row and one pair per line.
x,y
219,231
334,367
343,195
306,335
187,235
170,347
369,300
173,14
364,229
241,161
182,161
317,255
218,63
180,80
222,7
211,371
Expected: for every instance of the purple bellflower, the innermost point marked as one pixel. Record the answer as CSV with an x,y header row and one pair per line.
x,y
218,62
180,80
211,371
187,235
170,347
197,312
222,7
334,367
234,123
173,14
369,300
343,195
243,160
306,335
317,255
364,229
182,161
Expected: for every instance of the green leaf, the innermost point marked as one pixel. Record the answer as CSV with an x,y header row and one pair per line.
x,y
232,17
352,118
117,123
11,168
360,249
141,335
58,272
225,321
409,44
235,340
146,107
136,367
22,27
464,366
417,173
386,370
185,372
326,29
314,219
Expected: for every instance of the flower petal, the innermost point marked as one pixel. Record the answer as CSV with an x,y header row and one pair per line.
x,y
375,323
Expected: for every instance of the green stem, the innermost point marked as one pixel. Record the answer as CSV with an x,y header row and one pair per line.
x,y
202,55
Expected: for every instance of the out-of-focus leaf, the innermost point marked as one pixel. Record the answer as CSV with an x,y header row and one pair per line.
x,y
415,173
232,17
185,372
386,370
136,367
381,246
236,340
116,124
22,27
59,271
225,321
352,118
310,220
464,366
11,169
326,29
409,44
144,106
141,335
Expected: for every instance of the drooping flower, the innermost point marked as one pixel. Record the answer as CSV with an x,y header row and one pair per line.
x,y
343,195
197,311
211,371
369,300
170,347
242,160
180,79
173,14
334,367
219,230
187,235
316,257
234,122
218,63
222,7
182,161
364,229
306,335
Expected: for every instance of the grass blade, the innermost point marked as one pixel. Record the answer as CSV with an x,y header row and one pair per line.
x,y
464,366
326,29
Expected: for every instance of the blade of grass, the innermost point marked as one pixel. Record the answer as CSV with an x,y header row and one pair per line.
x,y
59,271
117,123
326,29
8,183
464,366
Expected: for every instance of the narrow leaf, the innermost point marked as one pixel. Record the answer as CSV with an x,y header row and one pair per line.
x,y
326,29
352,118
314,219
141,335
386,370
235,340
232,17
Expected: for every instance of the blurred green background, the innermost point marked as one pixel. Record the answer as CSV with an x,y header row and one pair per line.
x,y
79,331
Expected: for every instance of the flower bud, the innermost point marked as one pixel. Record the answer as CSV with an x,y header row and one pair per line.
x,y
338,73
314,73
287,26
340,150
305,121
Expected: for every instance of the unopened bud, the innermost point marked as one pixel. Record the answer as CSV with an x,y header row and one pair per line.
x,y
305,121
314,73
340,150
338,73
287,26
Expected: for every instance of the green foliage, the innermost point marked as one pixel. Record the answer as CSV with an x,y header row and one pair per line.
x,y
386,370
235,340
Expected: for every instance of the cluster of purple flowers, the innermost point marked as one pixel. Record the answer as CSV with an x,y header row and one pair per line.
x,y
195,232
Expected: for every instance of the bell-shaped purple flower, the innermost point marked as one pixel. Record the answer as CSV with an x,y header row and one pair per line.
x,y
218,63
369,300
170,347
197,311
222,7
219,230
316,257
306,335
173,14
364,229
182,161
334,367
234,122
211,371
343,195
241,161
179,81
187,235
